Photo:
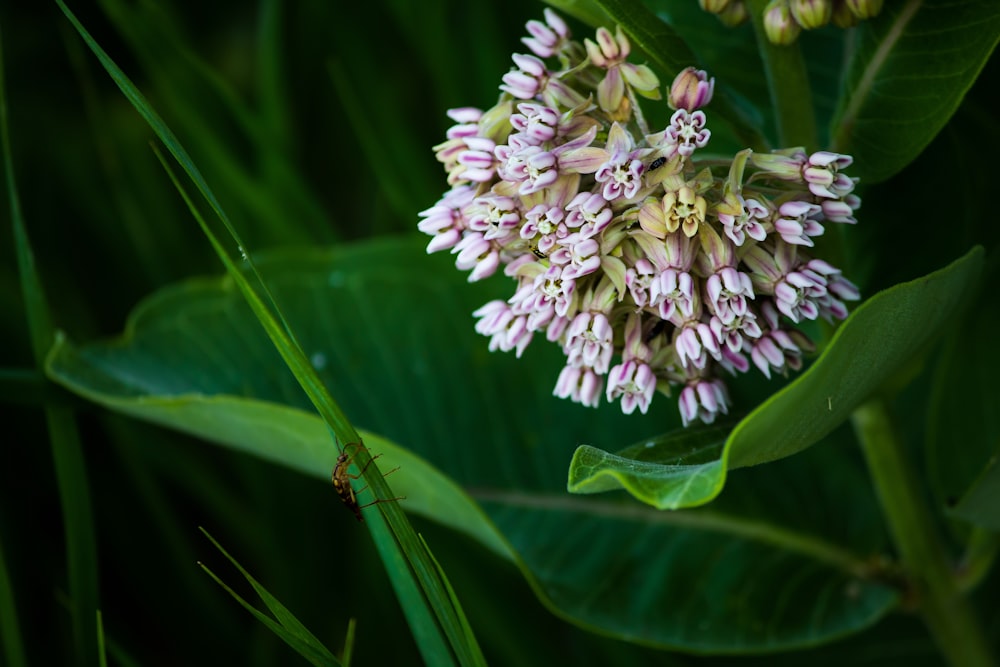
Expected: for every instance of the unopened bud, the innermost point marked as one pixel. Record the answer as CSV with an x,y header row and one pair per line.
x,y
714,6
842,16
495,123
779,24
734,14
865,9
785,163
812,14
691,89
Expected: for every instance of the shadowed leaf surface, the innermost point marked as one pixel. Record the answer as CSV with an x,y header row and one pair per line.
x,y
963,425
485,432
907,75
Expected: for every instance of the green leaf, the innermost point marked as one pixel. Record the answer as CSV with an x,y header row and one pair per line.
x,y
488,446
652,35
283,624
588,11
879,339
909,72
679,469
963,427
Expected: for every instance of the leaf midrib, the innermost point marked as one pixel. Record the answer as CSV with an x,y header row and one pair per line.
x,y
868,76
701,519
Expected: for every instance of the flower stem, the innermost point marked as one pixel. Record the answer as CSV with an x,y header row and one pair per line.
x,y
788,84
947,613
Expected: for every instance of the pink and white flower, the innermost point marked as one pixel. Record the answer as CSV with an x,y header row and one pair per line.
x,y
634,382
703,399
549,38
639,247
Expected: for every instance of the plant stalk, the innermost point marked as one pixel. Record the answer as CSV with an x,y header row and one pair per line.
x,y
947,613
788,85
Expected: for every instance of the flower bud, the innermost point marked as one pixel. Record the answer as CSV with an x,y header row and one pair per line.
x,y
734,15
779,24
785,164
842,16
609,49
812,14
691,89
495,123
714,6
865,9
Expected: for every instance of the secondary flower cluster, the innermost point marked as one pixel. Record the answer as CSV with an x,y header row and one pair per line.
x,y
785,19
650,267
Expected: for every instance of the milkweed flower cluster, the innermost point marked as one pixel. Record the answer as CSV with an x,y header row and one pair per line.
x,y
654,269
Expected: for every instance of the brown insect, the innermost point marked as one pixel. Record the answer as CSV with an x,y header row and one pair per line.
x,y
342,481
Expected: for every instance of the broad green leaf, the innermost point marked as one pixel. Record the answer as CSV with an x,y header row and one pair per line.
x,y
882,336
963,425
908,73
283,624
652,35
486,450
679,469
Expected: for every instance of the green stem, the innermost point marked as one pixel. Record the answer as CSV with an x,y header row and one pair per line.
x,y
788,84
946,611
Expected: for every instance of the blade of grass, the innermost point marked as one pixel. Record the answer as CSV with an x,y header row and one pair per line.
x,y
349,642
267,185
102,657
144,243
284,624
410,566
428,616
271,80
67,454
470,636
280,334
10,631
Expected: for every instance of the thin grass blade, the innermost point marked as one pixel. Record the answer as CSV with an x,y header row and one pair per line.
x,y
422,613
102,655
402,543
67,454
10,630
284,623
349,642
